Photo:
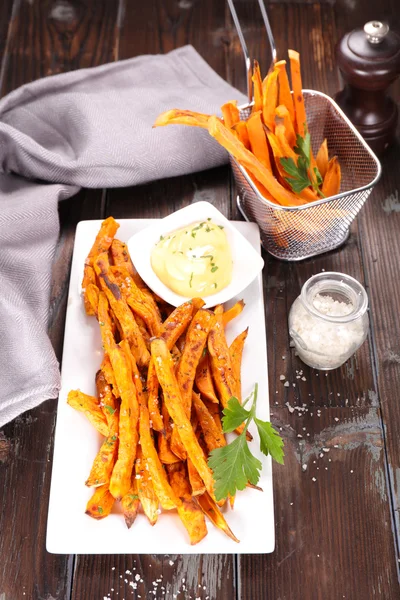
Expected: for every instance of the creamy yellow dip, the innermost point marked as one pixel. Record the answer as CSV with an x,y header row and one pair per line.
x,y
195,260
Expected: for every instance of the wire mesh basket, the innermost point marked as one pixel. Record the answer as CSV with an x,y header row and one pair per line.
x,y
296,233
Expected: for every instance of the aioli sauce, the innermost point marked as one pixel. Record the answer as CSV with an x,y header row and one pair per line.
x,y
195,260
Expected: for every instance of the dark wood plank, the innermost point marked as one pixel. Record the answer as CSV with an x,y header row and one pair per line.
x,y
6,19
380,224
348,394
333,523
44,40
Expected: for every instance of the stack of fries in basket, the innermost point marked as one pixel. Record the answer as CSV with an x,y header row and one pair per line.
x,y
155,357
274,147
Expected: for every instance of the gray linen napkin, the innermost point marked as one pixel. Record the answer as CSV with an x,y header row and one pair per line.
x,y
88,128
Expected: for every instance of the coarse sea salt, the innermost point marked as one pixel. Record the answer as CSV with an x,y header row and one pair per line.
x,y
323,343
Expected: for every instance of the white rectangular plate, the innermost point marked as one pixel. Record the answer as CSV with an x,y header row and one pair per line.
x,y
69,530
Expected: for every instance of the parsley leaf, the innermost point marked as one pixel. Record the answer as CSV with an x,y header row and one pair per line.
x,y
234,465
234,415
109,409
270,440
299,174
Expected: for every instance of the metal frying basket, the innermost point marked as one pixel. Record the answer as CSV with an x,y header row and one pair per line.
x,y
296,233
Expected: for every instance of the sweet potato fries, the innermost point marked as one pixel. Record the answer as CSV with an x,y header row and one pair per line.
x,y
273,144
160,392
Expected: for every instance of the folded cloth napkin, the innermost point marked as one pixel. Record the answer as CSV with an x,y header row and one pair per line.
x,y
89,128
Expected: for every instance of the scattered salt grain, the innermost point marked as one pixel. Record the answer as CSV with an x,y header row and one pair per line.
x,y
137,577
282,377
286,384
171,562
314,479
325,449
304,467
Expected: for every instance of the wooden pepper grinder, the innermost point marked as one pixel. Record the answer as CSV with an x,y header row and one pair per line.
x,y
369,61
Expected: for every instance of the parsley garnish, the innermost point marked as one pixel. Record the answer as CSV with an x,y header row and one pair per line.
x,y
234,465
161,238
109,409
213,269
220,226
193,234
299,176
99,510
190,280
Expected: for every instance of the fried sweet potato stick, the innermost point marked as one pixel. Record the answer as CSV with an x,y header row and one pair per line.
x,y
233,312
174,326
230,113
120,255
130,503
165,453
88,282
241,131
100,504
188,510
300,111
322,158
177,116
145,489
173,400
257,88
90,408
92,296
196,482
179,480
107,400
332,179
283,115
129,409
285,97
203,378
137,301
250,162
236,352
270,99
104,462
102,243
213,435
210,509
221,364
258,139
196,339
121,310
107,370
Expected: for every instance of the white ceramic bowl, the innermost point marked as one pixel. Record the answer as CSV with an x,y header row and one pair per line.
x,y
247,263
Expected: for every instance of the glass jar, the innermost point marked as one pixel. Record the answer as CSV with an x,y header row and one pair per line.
x,y
328,322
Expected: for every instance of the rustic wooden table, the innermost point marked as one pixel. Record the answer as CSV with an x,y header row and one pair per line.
x,y
337,523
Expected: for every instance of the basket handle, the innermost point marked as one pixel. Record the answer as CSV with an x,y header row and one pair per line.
x,y
249,69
